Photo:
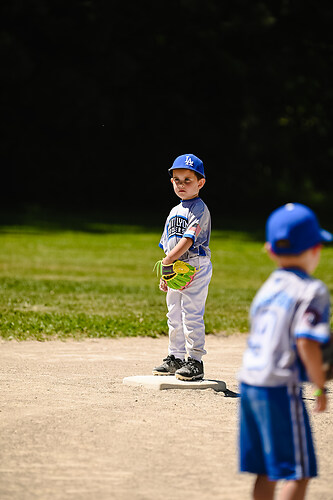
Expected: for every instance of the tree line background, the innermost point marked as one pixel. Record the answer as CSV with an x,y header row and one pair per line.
x,y
99,96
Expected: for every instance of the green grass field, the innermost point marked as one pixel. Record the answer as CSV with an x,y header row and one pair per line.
x,y
60,283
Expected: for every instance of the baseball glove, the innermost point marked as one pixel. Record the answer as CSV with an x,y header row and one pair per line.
x,y
327,353
177,275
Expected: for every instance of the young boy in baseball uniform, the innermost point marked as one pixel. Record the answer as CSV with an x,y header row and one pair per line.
x,y
186,237
289,319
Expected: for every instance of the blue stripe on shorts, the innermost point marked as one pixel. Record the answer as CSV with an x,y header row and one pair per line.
x,y
275,436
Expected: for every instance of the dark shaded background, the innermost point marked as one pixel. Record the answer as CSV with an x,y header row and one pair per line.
x,y
99,97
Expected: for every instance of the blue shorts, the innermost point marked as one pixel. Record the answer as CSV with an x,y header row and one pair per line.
x,y
275,435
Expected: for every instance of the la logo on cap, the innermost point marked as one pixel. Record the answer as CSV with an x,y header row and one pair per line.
x,y
188,161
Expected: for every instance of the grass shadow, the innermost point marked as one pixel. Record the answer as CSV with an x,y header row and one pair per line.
x,y
36,220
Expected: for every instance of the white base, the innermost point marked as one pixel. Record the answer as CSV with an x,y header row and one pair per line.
x,y
160,382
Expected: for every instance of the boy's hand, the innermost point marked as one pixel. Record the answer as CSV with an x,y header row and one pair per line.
x,y
163,286
167,261
321,403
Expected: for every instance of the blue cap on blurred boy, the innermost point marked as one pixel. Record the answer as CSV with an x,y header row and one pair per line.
x,y
294,228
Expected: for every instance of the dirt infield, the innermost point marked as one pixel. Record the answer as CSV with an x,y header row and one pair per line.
x,y
70,429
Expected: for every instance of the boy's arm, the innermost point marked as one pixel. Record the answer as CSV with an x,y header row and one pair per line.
x,y
182,246
310,354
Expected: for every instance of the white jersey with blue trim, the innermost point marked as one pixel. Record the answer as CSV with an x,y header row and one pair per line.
x,y
290,304
189,219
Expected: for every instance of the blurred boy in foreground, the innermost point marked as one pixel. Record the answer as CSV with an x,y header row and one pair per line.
x,y
290,317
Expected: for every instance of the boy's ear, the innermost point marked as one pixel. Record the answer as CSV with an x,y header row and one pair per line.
x,y
271,254
318,247
268,247
201,182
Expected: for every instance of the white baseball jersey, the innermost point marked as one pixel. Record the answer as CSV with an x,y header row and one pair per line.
x,y
190,219
289,305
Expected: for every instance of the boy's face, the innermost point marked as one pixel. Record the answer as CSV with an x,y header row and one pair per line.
x,y
186,184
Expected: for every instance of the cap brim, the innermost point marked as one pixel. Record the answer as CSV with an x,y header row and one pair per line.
x,y
185,168
326,235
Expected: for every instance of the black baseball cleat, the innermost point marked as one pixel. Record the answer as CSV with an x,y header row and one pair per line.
x,y
169,366
191,370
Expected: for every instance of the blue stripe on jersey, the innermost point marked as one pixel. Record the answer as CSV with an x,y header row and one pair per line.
x,y
322,339
191,236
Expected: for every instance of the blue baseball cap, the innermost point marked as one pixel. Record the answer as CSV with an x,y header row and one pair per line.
x,y
293,228
189,161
